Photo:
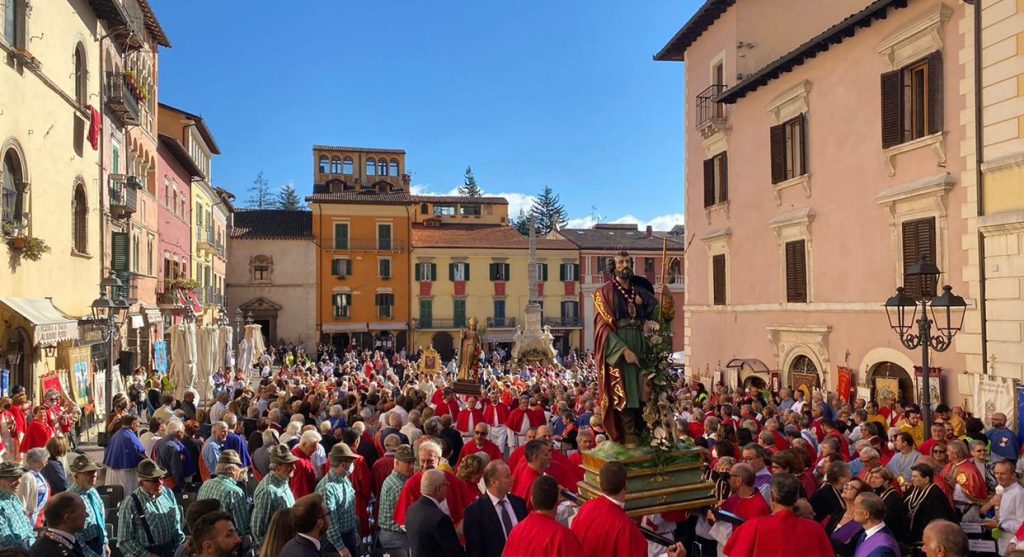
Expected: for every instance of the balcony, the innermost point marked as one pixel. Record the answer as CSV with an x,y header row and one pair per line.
x,y
129,290
438,324
501,322
383,246
121,99
123,193
204,240
213,296
563,322
710,113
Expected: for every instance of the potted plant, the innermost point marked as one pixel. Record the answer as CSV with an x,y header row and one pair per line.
x,y
34,248
7,229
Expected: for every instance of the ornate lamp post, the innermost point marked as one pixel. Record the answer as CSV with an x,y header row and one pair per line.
x,y
110,314
946,312
236,324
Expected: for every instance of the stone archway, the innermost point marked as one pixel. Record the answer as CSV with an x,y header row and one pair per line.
x,y
883,377
265,313
444,344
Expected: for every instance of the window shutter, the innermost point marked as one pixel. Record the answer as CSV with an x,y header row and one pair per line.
x,y
419,272
494,271
543,272
803,144
935,107
892,127
777,140
465,271
709,182
796,272
918,241
433,272
119,258
724,194
335,267
451,272
718,272
508,271
561,272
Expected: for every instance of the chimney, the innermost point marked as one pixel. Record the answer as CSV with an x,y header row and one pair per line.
x,y
650,234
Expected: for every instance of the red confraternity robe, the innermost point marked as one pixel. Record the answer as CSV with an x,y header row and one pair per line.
x,y
539,534
604,530
782,534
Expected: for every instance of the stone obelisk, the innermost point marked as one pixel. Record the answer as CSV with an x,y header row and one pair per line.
x,y
533,345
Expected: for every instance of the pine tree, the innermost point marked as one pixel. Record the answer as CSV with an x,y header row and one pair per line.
x,y
288,199
548,211
521,223
469,187
260,196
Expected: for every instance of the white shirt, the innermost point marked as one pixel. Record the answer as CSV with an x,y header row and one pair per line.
x,y
508,506
1010,515
873,530
798,406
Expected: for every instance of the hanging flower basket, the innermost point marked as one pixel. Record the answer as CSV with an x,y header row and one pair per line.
x,y
30,248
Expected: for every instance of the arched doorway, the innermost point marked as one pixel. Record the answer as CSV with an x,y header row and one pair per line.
x,y
444,344
340,342
804,375
756,382
890,381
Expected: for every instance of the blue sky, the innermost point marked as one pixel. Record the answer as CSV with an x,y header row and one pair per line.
x,y
530,93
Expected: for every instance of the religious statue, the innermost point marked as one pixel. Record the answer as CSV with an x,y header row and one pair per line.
x,y
468,378
626,308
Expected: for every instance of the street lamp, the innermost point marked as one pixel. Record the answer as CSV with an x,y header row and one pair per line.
x,y
110,315
248,318
946,312
236,323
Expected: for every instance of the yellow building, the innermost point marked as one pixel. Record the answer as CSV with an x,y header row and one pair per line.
x,y
362,212
468,263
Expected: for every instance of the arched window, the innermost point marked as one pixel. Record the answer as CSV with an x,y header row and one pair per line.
x,y
325,165
347,168
81,75
394,168
371,167
424,209
80,220
335,165
12,187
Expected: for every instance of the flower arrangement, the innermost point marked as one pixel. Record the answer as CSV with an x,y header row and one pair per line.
x,y
182,283
31,248
656,365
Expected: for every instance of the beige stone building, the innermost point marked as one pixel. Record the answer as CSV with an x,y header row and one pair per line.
x,y
272,273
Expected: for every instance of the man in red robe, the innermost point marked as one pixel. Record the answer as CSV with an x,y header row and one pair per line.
x,y
968,485
585,439
449,405
602,525
746,501
469,416
535,465
516,457
455,501
480,444
782,533
303,480
38,433
495,415
520,420
624,307
539,533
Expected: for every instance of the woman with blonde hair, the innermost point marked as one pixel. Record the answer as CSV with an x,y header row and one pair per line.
x,y
279,532
471,471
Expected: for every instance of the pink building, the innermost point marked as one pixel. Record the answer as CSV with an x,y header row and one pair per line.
x,y
822,158
176,171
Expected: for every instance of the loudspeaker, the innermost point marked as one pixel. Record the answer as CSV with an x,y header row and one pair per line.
x,y
129,360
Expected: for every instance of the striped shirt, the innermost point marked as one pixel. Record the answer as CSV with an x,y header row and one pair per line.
x,y
272,495
94,521
232,500
340,500
15,529
163,516
389,493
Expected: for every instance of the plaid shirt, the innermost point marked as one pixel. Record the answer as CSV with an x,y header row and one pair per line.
x,y
95,520
15,529
340,500
232,500
389,493
272,495
163,515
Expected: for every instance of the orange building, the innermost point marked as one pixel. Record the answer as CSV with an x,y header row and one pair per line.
x,y
362,214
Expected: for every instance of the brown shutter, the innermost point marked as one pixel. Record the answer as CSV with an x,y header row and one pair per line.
x,y
891,125
918,241
796,272
935,107
709,182
803,144
724,195
718,276
777,140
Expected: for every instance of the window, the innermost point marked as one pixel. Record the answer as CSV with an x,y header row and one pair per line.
x,y
261,273
15,213
570,313
499,271
149,254
384,267
341,302
796,272
458,271
718,78
716,180
426,272
426,313
325,165
470,210
135,252
393,168
675,269
335,165
384,302
912,101
341,235
444,210
81,83
918,242
371,167
80,220
115,156
569,272
718,279
14,23
602,265
384,237
649,268
542,272
424,209
199,214
499,313
341,267
459,311
788,149
346,166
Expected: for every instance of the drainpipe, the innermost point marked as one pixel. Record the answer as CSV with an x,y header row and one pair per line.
x,y
979,178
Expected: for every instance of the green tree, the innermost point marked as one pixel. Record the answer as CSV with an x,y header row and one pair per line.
x,y
288,199
548,211
469,187
521,223
260,196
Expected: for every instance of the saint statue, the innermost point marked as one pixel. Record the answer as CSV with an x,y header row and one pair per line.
x,y
468,379
625,309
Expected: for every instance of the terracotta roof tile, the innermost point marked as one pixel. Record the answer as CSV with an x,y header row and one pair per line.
x,y
615,238
458,199
479,236
365,197
265,224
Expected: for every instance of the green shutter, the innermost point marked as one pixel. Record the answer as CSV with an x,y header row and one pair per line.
x,y
561,272
493,271
466,273
120,261
544,272
451,272
575,272
419,275
433,272
335,267
508,271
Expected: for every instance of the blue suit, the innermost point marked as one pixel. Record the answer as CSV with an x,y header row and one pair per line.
x,y
125,450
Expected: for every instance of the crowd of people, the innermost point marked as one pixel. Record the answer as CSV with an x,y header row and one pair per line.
x,y
333,452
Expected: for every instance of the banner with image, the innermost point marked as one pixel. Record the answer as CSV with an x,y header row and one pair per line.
x,y
994,394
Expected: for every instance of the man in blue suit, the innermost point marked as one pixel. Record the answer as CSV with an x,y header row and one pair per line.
x,y
877,540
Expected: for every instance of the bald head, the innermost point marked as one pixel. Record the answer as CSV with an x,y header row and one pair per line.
x,y
434,484
944,539
544,433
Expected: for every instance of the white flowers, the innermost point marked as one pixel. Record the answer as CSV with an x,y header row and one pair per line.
x,y
656,339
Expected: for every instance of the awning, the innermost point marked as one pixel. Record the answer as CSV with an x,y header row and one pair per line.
x,y
388,326
50,325
343,327
499,336
755,365
153,315
136,321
